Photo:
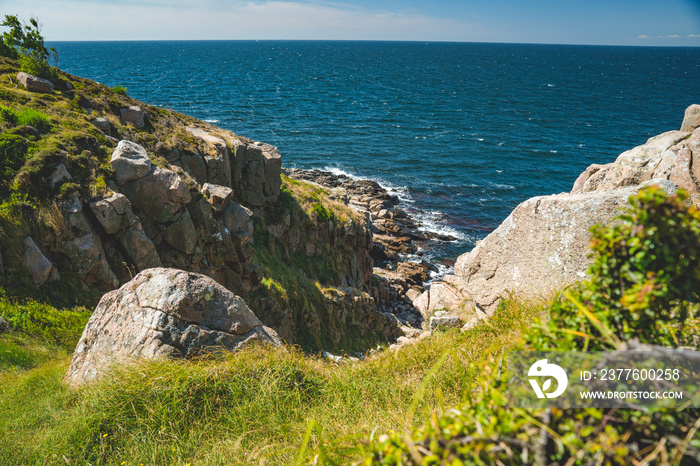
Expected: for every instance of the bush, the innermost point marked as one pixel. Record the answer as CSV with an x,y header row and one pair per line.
x,y
121,90
36,67
8,115
13,149
645,276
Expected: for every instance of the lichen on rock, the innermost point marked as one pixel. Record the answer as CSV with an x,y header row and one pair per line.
x,y
163,313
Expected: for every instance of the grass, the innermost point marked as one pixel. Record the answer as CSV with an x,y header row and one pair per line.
x,y
251,407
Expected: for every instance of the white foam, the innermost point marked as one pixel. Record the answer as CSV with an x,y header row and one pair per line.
x,y
212,121
339,172
433,222
502,186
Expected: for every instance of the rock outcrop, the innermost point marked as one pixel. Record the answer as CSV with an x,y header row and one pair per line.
x,y
543,245
396,240
163,313
184,194
674,156
133,115
40,268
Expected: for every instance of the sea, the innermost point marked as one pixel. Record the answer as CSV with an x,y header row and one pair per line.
x,y
461,132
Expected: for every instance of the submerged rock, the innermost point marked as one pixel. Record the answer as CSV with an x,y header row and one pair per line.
x,y
163,313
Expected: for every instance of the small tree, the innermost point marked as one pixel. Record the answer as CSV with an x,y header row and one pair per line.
x,y
25,43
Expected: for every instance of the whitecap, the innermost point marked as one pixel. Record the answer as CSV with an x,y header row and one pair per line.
x,y
502,186
212,121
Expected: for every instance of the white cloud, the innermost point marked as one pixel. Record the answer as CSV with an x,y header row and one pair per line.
x,y
670,36
216,19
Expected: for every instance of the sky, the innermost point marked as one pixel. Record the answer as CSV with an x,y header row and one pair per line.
x,y
596,22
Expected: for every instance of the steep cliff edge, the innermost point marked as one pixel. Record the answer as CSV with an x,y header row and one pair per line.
x,y
543,245
97,187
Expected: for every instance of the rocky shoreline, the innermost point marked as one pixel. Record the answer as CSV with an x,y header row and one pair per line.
x,y
397,238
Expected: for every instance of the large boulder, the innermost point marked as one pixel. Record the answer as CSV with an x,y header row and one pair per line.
x,y
34,84
691,119
544,244
163,313
129,162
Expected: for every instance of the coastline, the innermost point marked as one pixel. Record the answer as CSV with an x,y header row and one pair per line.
x,y
400,241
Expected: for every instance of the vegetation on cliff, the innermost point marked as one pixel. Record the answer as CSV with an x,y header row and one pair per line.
x,y
56,147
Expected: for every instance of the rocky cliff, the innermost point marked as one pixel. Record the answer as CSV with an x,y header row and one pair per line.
x,y
100,187
543,245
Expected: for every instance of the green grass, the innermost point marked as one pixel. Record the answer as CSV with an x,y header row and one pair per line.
x,y
61,327
26,117
242,408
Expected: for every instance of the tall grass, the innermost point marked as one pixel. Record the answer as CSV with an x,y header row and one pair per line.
x,y
251,407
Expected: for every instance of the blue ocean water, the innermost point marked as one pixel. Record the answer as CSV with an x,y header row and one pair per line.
x,y
462,131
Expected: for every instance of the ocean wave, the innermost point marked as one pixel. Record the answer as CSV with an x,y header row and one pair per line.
x,y
434,222
339,172
212,121
502,186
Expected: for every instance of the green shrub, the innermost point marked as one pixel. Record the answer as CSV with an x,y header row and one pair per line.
x,y
645,276
121,90
322,213
36,67
8,115
13,150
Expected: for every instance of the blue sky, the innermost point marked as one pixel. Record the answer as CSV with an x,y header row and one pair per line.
x,y
607,22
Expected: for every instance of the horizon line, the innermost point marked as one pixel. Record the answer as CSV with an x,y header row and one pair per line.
x,y
379,40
